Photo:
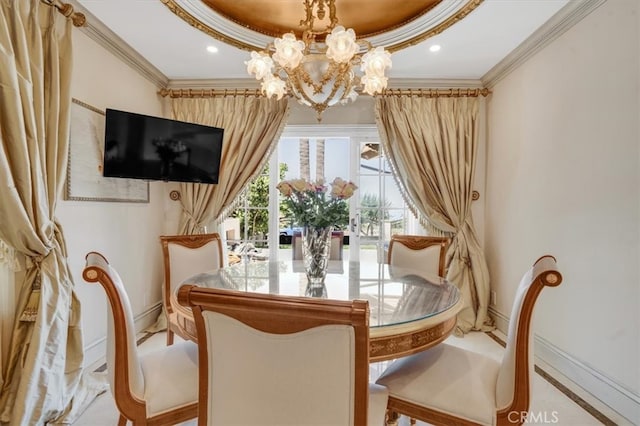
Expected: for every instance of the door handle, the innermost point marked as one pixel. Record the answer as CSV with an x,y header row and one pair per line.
x,y
354,222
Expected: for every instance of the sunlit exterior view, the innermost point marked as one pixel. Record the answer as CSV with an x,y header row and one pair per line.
x,y
376,212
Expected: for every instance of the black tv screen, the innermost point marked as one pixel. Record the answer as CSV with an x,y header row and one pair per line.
x,y
142,147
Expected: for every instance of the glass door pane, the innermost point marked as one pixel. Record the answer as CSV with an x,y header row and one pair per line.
x,y
381,209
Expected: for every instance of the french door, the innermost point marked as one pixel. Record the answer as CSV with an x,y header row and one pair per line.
x,y
376,211
355,153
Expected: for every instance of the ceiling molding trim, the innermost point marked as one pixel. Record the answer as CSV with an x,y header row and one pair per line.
x,y
107,39
559,23
441,17
222,83
197,14
201,17
251,83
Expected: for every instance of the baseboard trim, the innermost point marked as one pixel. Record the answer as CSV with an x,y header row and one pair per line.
x,y
598,385
590,384
500,320
94,352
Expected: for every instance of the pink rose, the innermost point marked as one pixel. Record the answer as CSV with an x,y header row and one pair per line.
x,y
318,186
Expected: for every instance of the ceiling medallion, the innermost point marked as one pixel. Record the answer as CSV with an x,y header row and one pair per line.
x,y
320,71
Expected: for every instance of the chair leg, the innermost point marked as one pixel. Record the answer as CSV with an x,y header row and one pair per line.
x,y
122,421
169,337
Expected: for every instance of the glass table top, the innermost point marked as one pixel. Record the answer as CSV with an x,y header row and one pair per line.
x,y
396,296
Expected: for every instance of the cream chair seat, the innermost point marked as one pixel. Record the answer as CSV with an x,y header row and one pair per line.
x,y
159,387
448,385
418,254
185,256
278,360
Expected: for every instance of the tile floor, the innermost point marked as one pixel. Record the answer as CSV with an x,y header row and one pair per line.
x,y
547,399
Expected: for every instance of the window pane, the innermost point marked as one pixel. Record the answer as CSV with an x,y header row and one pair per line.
x,y
249,241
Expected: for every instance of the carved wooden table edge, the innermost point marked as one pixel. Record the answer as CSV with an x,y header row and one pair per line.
x,y
380,348
396,346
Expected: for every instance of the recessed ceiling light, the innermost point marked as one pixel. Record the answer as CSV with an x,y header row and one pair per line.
x,y
212,49
434,48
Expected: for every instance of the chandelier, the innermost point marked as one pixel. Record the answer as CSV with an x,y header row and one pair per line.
x,y
320,73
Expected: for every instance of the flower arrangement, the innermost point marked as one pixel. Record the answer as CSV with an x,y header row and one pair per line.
x,y
312,205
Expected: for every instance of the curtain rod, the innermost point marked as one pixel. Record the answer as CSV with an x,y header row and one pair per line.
x,y
438,93
427,93
79,20
207,93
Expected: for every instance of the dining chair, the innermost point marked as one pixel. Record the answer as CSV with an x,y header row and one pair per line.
x,y
335,251
418,254
185,256
448,385
283,360
156,388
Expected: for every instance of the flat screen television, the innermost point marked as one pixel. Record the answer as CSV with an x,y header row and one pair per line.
x,y
142,147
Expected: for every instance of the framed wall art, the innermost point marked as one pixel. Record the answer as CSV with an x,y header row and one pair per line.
x,y
86,152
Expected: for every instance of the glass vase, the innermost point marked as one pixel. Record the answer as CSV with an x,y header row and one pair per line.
x,y
316,243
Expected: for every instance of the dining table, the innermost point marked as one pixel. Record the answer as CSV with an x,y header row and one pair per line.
x,y
409,312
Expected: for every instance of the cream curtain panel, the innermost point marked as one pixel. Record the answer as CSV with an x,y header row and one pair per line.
x,y
432,144
251,127
44,367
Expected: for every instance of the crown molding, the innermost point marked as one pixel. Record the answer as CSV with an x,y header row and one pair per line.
x,y
559,23
106,38
216,84
253,84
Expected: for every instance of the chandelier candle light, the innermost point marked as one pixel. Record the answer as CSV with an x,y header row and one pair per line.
x,y
320,74
317,214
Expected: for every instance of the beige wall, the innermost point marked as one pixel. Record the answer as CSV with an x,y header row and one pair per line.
x,y
126,233
563,178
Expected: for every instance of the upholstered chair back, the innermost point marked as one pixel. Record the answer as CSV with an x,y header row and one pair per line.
x,y
513,384
417,254
187,255
293,361
287,378
335,250
122,353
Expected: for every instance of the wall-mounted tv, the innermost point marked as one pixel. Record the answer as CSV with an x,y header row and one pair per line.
x,y
142,147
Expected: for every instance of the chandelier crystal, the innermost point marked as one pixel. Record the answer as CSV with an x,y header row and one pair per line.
x,y
320,74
